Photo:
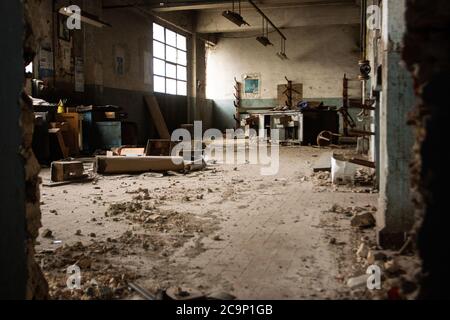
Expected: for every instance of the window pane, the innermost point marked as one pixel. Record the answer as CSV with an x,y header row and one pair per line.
x,y
181,57
181,73
159,67
181,42
171,38
158,32
171,86
171,54
171,70
181,88
159,84
158,50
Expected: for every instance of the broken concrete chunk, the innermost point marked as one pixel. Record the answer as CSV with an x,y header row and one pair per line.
x,y
47,233
182,294
337,209
220,295
373,257
363,251
363,220
391,266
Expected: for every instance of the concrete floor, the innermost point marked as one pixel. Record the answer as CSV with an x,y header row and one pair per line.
x,y
232,230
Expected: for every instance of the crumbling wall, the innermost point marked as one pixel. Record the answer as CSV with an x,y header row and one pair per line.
x,y
37,287
427,55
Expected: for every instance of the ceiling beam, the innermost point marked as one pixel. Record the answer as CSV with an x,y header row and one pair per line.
x,y
183,5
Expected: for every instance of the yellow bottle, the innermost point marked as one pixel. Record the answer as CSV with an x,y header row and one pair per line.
x,y
60,107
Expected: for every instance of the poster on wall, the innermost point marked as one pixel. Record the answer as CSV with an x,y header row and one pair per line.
x,y
45,63
63,31
252,85
66,55
119,60
79,75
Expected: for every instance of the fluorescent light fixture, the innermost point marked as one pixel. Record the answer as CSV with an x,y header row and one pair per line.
x,y
282,54
264,41
234,17
85,17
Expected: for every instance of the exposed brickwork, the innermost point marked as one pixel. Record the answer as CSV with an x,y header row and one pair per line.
x,y
427,54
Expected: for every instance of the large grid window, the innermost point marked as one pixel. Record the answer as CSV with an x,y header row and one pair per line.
x,y
169,61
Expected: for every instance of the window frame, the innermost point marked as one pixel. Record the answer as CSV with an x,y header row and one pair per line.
x,y
175,65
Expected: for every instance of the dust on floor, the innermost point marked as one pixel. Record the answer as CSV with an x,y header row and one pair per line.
x,y
223,229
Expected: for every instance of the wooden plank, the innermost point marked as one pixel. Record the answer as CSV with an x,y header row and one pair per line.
x,y
158,119
363,163
131,151
118,164
73,137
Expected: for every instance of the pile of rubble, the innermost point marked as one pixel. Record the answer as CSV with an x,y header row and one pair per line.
x,y
155,219
100,279
398,277
322,178
365,177
361,217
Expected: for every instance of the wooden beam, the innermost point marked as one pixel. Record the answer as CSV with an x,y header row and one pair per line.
x,y
117,164
158,119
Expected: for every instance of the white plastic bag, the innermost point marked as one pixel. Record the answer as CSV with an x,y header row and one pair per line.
x,y
342,172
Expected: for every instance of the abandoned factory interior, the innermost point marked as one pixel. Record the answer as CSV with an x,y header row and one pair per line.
x,y
224,150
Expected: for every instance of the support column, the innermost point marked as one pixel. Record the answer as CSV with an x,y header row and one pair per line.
x,y
13,274
396,214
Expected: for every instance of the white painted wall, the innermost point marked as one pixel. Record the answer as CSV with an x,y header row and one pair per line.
x,y
318,58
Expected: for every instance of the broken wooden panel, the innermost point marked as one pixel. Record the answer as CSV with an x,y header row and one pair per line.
x,y
297,94
159,147
67,170
108,165
56,132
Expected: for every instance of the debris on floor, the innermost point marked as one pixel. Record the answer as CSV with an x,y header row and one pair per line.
x,y
363,220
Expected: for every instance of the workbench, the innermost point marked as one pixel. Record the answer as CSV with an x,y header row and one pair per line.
x,y
289,123
297,126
